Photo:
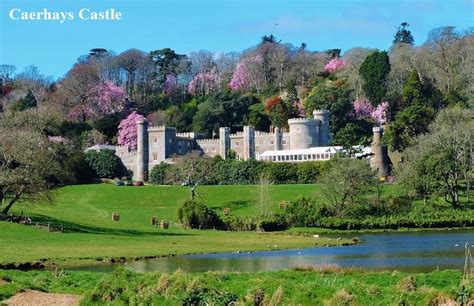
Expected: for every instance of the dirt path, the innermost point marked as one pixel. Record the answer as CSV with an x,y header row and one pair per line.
x,y
2,282
37,298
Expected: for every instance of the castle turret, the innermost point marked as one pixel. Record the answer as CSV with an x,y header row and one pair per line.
x,y
323,117
142,150
249,142
304,133
224,141
380,160
277,139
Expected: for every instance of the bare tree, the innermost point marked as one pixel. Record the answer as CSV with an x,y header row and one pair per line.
x,y
191,170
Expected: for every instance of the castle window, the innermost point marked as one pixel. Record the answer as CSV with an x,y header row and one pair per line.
x,y
272,142
155,156
237,143
213,149
283,142
155,139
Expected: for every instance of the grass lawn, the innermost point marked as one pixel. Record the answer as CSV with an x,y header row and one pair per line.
x,y
84,211
326,286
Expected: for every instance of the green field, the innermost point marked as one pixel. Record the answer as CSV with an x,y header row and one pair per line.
x,y
319,286
90,235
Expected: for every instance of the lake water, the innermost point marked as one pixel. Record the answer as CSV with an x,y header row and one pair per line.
x,y
413,252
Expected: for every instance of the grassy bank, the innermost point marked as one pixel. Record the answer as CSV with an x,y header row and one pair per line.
x,y
88,234
83,230
317,286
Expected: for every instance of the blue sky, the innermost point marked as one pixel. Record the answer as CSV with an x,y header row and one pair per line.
x,y
216,25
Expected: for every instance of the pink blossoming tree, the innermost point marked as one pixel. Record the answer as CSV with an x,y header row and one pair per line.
x,y
334,65
203,83
240,78
379,114
363,109
128,130
104,99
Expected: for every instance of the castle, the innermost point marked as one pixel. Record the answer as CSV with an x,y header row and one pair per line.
x,y
305,140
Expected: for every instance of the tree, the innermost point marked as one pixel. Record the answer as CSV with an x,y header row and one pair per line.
x,y
105,163
192,170
194,214
403,35
204,83
416,114
128,130
167,62
91,138
440,160
334,65
6,73
374,71
334,96
346,181
279,111
26,102
30,164
222,109
131,61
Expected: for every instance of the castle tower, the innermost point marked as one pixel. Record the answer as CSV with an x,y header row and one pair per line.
x,y
277,139
224,141
323,117
249,142
142,150
380,160
304,133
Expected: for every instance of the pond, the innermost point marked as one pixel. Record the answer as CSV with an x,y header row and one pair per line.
x,y
412,252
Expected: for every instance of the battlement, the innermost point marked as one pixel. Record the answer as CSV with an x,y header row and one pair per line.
x,y
260,133
191,135
208,140
302,120
320,112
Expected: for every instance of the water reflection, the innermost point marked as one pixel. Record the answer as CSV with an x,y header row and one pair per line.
x,y
415,252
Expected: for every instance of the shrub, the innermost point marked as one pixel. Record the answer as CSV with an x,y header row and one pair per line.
x,y
158,173
306,212
197,215
282,173
308,172
105,163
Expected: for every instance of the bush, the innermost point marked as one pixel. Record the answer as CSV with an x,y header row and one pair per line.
x,y
158,173
308,172
282,173
105,163
267,224
306,212
197,215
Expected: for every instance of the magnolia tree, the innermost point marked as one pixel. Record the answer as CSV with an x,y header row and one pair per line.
x,y
240,78
128,130
248,74
203,83
334,65
104,99
363,108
